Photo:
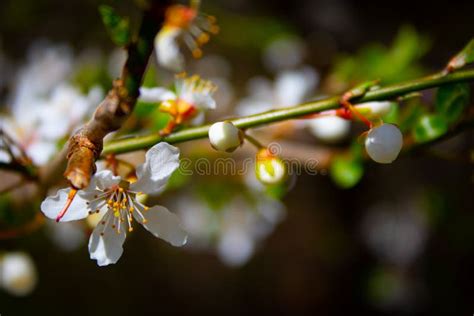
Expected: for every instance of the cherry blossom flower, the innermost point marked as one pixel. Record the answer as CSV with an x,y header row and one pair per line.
x,y
116,200
44,108
186,23
191,97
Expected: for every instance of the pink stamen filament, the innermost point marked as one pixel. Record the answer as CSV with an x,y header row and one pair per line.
x,y
70,198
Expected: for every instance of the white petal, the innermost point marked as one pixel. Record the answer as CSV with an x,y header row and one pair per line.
x,y
164,224
4,156
204,101
53,205
104,179
161,161
235,247
329,128
167,49
292,87
41,151
153,95
106,248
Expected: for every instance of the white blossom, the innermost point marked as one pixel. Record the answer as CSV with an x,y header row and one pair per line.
x,y
291,87
188,101
329,128
44,108
18,274
234,231
186,23
116,200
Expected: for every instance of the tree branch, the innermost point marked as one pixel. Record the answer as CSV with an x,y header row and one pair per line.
x,y
86,145
140,142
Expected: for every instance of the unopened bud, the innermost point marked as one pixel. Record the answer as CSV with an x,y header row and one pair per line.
x,y
269,168
224,136
383,143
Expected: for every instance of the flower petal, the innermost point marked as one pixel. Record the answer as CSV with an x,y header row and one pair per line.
x,y
163,224
153,95
41,151
167,49
53,205
161,161
104,179
105,243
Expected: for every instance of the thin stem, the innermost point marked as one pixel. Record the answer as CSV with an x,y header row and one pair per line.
x,y
141,142
253,141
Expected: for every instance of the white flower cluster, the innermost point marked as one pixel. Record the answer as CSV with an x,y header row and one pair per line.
x,y
44,107
236,230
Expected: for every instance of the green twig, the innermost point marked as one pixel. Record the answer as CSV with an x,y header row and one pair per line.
x,y
141,142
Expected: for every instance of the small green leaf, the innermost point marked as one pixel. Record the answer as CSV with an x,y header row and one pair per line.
x,y
451,100
464,57
430,127
410,114
117,26
346,172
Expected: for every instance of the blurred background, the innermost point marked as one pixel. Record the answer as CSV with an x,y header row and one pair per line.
x,y
371,239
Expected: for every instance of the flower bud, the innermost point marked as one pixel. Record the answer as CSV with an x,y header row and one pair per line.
x,y
17,273
329,128
224,136
375,109
383,143
270,169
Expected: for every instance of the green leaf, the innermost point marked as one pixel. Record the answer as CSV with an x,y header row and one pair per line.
x,y
429,127
451,100
464,57
118,27
410,114
346,172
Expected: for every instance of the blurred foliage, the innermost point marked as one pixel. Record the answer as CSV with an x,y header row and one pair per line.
x,y
14,213
452,100
346,170
429,127
247,33
389,64
90,75
118,27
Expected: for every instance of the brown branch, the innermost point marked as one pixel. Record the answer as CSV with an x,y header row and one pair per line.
x,y
86,144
